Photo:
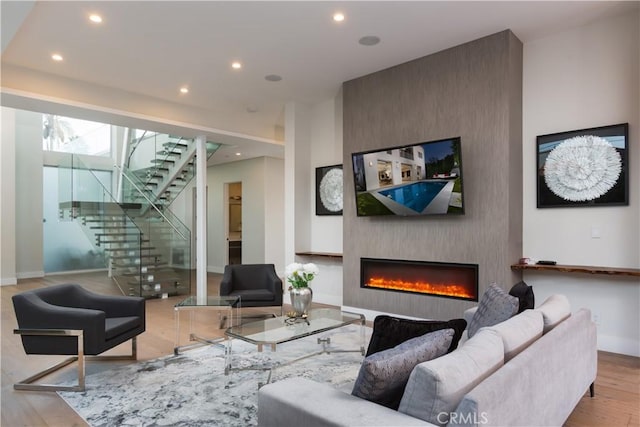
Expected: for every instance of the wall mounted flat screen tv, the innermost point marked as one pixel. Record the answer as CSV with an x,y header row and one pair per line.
x,y
412,180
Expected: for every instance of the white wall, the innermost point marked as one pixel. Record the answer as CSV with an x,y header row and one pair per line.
x,y
582,78
313,138
255,239
325,150
273,213
298,178
326,231
8,199
28,191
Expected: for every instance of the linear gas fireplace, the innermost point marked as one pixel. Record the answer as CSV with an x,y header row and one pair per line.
x,y
441,279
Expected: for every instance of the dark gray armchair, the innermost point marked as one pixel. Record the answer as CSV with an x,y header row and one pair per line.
x,y
70,320
257,285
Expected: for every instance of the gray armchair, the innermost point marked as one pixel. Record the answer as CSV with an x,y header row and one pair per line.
x,y
70,320
257,285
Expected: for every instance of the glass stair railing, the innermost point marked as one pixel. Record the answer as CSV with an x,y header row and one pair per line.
x,y
170,236
147,246
163,165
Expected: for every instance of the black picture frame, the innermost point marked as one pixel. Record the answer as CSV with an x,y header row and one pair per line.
x,y
575,175
329,190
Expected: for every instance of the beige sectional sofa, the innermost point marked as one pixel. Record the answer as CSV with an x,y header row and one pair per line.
x,y
531,369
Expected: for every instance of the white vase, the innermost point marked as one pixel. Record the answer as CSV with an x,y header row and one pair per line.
x,y
301,300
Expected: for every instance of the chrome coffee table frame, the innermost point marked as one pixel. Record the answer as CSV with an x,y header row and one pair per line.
x,y
271,332
212,303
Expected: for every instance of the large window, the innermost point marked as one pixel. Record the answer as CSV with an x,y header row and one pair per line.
x,y
76,136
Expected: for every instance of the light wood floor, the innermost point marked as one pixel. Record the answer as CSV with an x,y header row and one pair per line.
x,y
617,401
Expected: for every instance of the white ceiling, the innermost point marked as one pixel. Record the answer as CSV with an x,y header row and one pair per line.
x,y
149,49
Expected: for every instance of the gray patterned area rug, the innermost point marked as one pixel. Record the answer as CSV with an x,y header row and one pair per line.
x,y
191,389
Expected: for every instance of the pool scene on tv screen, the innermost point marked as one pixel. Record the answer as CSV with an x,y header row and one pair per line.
x,y
419,179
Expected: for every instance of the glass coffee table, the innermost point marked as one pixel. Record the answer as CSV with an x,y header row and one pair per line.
x,y
271,332
191,304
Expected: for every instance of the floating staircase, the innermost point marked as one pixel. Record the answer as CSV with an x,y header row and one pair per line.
x,y
141,262
147,246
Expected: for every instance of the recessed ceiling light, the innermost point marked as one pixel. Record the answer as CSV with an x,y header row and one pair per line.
x,y
57,57
238,154
184,89
236,65
94,17
273,78
338,17
369,40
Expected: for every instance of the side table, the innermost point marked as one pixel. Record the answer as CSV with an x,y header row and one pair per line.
x,y
191,304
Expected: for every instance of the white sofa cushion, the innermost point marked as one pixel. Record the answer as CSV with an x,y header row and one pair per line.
x,y
554,310
519,332
436,387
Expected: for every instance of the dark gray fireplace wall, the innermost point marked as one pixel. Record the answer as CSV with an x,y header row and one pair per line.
x,y
473,91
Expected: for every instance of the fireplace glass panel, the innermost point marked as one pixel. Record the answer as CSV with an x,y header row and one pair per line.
x,y
451,280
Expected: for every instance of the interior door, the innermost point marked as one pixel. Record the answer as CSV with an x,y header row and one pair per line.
x,y
234,222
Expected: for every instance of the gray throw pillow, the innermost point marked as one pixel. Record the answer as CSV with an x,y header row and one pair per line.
x,y
384,375
495,306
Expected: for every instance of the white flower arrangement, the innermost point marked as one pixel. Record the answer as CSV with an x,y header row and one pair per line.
x,y
300,275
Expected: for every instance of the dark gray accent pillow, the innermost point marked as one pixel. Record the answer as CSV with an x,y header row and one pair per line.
x,y
495,306
525,296
384,375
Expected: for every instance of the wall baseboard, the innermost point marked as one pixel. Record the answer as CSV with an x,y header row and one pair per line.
x,y
8,281
619,345
65,273
215,269
30,274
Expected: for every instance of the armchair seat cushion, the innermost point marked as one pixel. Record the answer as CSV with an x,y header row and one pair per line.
x,y
247,295
115,326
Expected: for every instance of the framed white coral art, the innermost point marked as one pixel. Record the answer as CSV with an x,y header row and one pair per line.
x,y
587,167
329,193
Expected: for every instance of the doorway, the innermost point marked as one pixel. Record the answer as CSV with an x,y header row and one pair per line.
x,y
234,222
385,174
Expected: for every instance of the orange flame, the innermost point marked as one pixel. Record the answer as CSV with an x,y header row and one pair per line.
x,y
446,289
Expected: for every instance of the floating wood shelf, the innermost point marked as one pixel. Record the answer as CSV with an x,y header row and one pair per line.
x,y
611,271
320,254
